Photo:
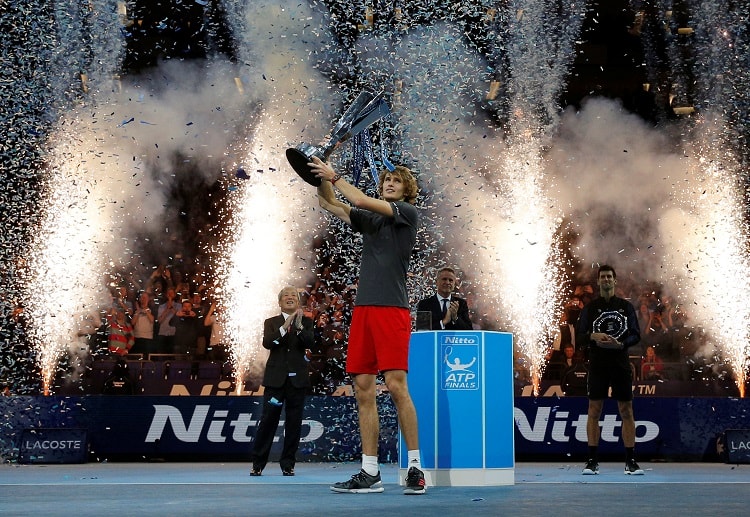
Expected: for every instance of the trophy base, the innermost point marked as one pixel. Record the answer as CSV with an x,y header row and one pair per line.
x,y
298,160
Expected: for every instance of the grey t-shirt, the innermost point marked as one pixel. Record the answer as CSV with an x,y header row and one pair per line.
x,y
387,243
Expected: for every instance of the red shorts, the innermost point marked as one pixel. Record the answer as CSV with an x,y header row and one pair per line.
x,y
378,339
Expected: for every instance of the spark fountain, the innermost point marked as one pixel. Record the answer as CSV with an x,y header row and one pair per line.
x,y
66,255
75,242
271,218
246,287
710,254
539,54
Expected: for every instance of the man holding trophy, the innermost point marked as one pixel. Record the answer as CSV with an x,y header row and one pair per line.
x,y
381,322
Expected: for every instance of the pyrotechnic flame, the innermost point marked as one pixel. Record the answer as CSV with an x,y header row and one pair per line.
x,y
712,250
250,271
258,254
66,256
530,287
714,246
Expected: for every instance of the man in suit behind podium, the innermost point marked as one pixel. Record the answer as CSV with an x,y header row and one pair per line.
x,y
449,312
289,337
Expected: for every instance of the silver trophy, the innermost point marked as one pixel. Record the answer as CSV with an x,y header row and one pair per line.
x,y
366,109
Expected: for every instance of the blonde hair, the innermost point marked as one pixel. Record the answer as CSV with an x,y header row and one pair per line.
x,y
410,183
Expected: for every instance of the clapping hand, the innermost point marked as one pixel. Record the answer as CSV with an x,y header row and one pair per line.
x,y
453,309
294,321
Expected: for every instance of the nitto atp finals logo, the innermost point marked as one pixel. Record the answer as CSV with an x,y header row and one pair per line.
x,y
460,361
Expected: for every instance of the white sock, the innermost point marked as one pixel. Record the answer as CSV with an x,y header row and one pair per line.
x,y
414,459
370,464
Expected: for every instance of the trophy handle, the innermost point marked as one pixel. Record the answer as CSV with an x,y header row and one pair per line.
x,y
374,111
349,116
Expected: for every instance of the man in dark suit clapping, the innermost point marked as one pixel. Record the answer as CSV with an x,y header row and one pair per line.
x,y
289,337
449,312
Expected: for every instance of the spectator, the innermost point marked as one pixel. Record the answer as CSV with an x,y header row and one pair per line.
x,y
167,310
674,314
161,280
568,357
449,312
88,326
204,332
584,293
216,349
646,319
651,365
119,333
185,321
120,301
650,318
143,326
289,337
181,286
118,382
573,372
675,318
564,336
566,332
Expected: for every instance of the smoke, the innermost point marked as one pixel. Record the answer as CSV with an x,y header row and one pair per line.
x,y
131,161
274,215
135,155
614,177
662,214
440,130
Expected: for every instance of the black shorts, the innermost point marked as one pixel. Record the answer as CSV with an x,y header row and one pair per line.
x,y
610,370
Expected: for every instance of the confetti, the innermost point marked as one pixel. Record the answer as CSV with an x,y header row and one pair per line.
x,y
499,222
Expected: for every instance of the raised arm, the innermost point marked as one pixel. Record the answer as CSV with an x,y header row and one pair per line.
x,y
327,201
352,194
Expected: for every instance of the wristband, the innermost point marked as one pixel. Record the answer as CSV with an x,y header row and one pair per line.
x,y
335,179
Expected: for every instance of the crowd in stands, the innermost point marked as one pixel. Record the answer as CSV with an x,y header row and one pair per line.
x,y
667,349
171,313
168,311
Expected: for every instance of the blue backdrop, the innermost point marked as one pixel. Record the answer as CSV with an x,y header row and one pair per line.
x,y
208,428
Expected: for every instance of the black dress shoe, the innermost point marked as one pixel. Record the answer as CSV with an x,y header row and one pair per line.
x,y
287,472
255,472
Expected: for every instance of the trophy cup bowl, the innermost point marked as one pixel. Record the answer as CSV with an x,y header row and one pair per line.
x,y
366,109
298,158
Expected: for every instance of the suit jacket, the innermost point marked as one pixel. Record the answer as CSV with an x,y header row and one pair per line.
x,y
287,353
433,305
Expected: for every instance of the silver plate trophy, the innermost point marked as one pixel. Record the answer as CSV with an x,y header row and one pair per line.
x,y
366,109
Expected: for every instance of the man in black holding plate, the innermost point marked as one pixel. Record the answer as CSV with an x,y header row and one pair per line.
x,y
608,326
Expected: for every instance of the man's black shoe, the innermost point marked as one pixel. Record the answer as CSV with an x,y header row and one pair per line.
x,y
415,484
360,483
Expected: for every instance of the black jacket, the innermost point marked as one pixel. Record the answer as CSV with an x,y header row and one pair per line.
x,y
287,353
432,304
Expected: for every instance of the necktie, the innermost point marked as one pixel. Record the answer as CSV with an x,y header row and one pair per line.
x,y
445,306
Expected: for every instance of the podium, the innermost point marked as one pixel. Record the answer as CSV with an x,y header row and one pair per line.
x,y
461,383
